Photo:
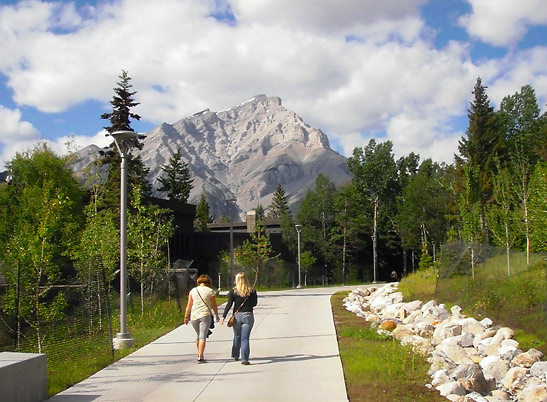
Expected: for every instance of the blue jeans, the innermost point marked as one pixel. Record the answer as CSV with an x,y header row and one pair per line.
x,y
242,331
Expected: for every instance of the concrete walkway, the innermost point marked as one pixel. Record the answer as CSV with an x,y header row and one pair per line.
x,y
294,357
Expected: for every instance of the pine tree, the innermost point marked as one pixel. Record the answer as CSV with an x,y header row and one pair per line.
x,y
119,118
279,206
260,214
202,215
479,149
121,103
178,182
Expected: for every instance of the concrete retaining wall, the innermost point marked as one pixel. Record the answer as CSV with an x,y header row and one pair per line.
x,y
23,377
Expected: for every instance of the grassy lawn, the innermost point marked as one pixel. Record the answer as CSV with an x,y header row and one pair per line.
x,y
516,301
377,368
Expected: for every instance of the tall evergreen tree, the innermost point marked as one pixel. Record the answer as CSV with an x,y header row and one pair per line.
x,y
482,137
260,214
478,149
202,215
122,103
280,205
178,182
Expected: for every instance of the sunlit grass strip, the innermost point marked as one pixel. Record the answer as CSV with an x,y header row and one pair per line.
x,y
376,367
516,301
83,355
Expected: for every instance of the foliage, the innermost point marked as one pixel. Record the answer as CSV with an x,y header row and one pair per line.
x,y
96,258
42,214
256,251
122,103
202,215
317,217
119,118
426,261
149,230
345,234
280,205
478,151
377,185
538,208
259,213
423,206
178,182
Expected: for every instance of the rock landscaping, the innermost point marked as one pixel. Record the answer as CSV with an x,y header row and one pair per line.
x,y
470,360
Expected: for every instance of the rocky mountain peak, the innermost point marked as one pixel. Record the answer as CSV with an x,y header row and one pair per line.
x,y
243,152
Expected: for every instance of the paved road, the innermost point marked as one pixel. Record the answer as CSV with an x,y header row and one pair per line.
x,y
294,357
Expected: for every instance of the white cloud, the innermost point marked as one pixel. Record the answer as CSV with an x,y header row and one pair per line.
x,y
528,67
503,22
182,60
427,137
13,128
322,15
61,145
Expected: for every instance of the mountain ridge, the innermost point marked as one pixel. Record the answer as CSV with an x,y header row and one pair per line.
x,y
243,153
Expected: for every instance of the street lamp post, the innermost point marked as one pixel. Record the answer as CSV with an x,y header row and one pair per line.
x,y
123,141
231,201
298,235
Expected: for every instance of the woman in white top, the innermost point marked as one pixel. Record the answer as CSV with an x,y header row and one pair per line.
x,y
201,300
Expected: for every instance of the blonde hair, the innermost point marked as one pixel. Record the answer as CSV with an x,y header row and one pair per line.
x,y
242,286
205,279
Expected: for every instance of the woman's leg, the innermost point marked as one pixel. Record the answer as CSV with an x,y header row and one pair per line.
x,y
236,344
201,326
246,327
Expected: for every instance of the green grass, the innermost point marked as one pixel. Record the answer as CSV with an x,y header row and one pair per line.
x,y
376,367
83,356
516,301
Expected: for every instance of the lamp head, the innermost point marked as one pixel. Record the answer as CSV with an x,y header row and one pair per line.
x,y
126,139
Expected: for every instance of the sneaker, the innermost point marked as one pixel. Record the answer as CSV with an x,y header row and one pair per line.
x,y
245,363
236,359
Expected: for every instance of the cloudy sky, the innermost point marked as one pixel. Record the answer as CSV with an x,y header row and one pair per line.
x,y
401,70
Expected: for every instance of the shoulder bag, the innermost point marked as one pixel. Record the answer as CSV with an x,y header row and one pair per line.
x,y
232,319
212,316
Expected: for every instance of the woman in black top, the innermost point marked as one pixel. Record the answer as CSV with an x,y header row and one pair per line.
x,y
244,298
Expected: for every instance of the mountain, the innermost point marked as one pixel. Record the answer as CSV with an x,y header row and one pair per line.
x,y
243,152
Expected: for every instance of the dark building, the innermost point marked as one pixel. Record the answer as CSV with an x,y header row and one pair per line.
x,y
201,250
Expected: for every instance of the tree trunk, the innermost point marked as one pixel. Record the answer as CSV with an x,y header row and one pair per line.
x,y
508,249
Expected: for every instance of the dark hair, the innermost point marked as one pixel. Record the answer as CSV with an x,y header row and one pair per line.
x,y
205,279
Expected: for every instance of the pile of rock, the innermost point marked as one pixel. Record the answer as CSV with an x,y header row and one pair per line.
x,y
470,360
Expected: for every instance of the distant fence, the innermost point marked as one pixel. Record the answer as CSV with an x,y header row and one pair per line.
x,y
85,333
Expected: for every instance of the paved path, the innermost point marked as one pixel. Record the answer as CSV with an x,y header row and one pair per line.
x,y
294,357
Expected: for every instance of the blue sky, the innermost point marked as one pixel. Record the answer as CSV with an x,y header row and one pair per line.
x,y
357,69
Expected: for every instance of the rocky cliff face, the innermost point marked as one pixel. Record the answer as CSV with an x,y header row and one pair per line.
x,y
243,153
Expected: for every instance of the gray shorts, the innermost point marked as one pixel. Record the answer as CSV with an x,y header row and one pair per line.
x,y
201,326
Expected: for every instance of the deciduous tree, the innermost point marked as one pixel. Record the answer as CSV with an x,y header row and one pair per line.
x,y
42,212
